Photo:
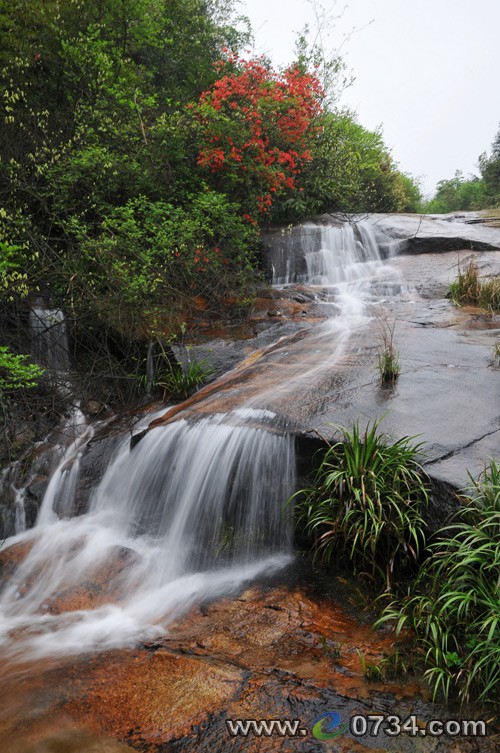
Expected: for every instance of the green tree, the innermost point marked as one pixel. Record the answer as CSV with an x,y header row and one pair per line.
x,y
351,171
458,194
490,172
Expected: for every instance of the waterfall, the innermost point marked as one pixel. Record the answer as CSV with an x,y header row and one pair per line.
x,y
58,498
50,338
59,455
319,253
196,509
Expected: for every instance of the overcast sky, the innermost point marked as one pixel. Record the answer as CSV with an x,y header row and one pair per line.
x,y
427,71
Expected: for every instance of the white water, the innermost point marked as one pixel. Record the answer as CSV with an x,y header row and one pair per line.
x,y
344,268
195,509
50,339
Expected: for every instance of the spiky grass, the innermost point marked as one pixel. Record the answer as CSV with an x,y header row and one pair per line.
x,y
469,289
454,610
180,383
366,503
388,360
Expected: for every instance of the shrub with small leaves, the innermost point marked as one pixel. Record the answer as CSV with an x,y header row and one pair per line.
x,y
16,373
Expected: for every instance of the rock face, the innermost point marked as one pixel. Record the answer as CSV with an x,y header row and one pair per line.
x,y
447,394
268,654
279,652
427,234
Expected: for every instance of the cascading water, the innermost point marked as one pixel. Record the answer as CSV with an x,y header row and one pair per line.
x,y
61,450
324,254
196,508
50,338
60,492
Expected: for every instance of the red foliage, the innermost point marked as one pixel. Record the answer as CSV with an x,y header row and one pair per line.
x,y
256,127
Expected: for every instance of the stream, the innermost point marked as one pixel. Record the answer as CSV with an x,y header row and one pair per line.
x,y
194,515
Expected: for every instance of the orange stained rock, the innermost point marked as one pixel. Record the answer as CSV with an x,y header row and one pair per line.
x,y
151,698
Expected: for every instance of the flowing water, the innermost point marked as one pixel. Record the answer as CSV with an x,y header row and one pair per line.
x,y
196,508
49,338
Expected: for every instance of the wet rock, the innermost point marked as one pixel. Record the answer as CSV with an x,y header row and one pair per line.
x,y
423,234
446,394
149,699
92,468
93,407
99,589
11,557
68,741
272,654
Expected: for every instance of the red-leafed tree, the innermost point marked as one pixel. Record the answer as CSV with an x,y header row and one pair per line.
x,y
255,130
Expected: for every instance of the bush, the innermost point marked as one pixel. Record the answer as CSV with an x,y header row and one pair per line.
x,y
454,609
351,171
255,130
457,194
16,373
149,252
366,503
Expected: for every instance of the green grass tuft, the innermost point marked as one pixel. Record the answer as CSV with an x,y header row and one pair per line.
x,y
365,505
179,383
469,289
454,608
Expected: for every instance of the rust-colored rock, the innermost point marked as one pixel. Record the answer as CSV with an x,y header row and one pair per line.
x,y
12,556
273,654
101,588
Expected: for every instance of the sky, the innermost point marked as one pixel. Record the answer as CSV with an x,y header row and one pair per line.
x,y
426,71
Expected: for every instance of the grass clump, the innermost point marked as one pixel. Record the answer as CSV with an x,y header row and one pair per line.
x,y
181,383
454,608
389,365
469,289
365,505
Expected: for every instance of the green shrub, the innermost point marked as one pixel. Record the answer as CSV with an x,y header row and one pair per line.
x,y
454,609
16,373
366,503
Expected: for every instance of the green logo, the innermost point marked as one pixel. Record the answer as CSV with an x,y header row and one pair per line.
x,y
328,725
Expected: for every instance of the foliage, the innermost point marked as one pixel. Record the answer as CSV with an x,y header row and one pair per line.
x,y
457,194
352,171
461,194
366,504
454,607
147,252
490,173
469,289
105,212
16,372
408,192
140,152
255,129
179,383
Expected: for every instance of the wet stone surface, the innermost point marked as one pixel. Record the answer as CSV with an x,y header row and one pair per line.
x,y
278,652
448,391
268,654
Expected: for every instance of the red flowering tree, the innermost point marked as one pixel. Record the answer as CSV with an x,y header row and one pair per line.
x,y
255,128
